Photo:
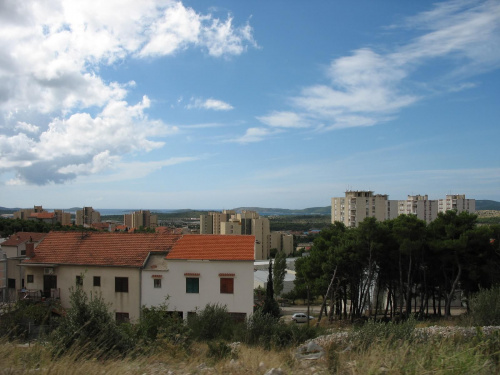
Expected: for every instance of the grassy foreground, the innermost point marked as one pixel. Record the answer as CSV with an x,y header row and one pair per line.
x,y
372,349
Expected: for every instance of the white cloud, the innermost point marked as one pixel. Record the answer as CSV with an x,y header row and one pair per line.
x,y
284,120
211,104
367,87
253,135
30,128
82,144
51,54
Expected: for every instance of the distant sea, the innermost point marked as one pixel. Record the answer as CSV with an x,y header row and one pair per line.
x,y
122,211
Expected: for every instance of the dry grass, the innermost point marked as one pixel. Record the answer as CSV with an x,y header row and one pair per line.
x,y
17,359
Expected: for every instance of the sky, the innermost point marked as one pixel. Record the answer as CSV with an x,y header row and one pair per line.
x,y
209,104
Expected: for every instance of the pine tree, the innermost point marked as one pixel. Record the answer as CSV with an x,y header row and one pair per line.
x,y
270,305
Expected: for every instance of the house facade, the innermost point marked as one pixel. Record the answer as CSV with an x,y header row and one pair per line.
x,y
12,252
107,263
202,269
133,270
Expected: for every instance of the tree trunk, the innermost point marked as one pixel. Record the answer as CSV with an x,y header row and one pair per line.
x,y
323,306
449,297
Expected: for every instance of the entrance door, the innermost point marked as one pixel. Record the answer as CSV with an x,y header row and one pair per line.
x,y
49,282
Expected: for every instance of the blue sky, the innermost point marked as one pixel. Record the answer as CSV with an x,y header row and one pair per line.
x,y
221,104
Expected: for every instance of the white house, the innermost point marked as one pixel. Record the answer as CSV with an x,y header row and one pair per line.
x,y
202,269
131,270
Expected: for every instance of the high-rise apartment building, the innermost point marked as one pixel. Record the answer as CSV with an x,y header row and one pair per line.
x,y
456,202
419,205
246,222
63,217
141,218
87,216
355,206
358,205
282,241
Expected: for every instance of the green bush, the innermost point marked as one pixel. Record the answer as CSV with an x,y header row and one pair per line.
x,y
16,318
88,324
269,332
157,322
211,323
218,350
485,307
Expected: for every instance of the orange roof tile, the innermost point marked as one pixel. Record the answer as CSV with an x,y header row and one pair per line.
x,y
21,237
100,248
213,247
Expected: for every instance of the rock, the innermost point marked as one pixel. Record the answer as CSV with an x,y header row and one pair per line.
x,y
312,347
310,351
262,366
275,371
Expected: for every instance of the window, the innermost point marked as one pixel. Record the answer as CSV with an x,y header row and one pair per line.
x,y
192,285
122,317
29,278
227,285
11,283
157,283
121,284
79,281
97,280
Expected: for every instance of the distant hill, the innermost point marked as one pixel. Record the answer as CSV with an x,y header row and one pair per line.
x,y
284,211
487,205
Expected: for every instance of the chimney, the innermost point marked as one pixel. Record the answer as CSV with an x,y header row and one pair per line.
x,y
30,249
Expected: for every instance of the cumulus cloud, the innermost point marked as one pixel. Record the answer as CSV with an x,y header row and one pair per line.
x,y
30,128
82,144
51,54
368,87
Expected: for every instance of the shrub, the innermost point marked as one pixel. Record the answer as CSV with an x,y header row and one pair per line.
x,y
213,322
269,332
218,350
485,307
16,318
88,324
157,323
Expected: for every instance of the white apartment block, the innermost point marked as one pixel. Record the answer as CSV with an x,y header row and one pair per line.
x,y
244,223
358,205
456,202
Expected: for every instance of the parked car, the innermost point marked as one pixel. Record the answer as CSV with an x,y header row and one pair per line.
x,y
300,318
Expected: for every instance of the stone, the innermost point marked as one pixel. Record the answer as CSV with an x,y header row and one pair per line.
x,y
275,371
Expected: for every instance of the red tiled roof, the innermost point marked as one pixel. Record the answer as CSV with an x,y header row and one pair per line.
x,y
100,248
21,237
213,247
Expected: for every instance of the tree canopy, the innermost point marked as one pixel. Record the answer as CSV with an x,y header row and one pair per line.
x,y
401,265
